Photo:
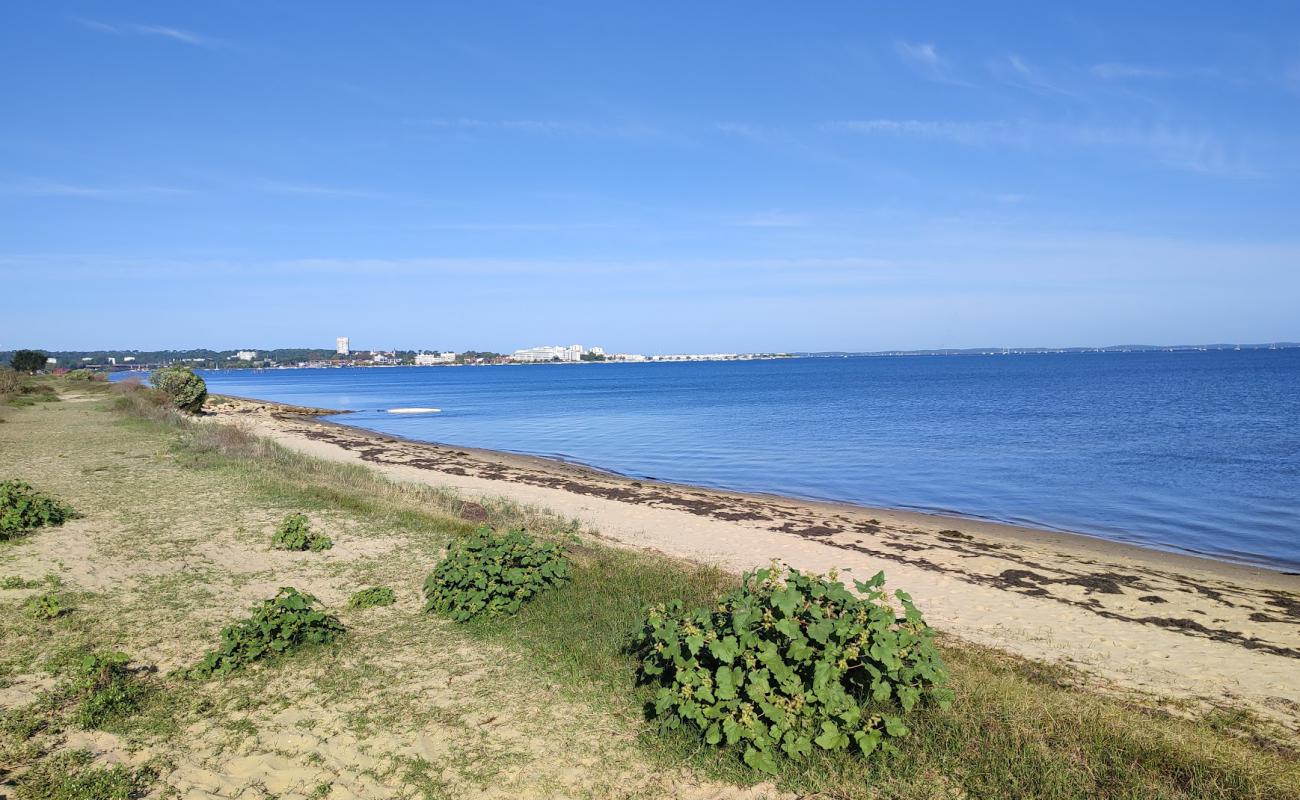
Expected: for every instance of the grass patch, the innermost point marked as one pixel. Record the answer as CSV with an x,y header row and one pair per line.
x,y
71,776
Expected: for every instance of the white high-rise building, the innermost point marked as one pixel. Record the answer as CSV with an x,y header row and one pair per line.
x,y
343,346
246,355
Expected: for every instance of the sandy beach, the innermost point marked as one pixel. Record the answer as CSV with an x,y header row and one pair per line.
x,y
1178,628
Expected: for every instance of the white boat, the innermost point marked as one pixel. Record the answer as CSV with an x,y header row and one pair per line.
x,y
414,410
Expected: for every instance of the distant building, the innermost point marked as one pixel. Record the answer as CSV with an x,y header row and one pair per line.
x,y
51,360
626,357
534,354
343,346
429,359
246,355
128,359
597,351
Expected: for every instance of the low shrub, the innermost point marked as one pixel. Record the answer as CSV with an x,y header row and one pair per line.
x,y
10,381
294,533
182,388
72,775
45,606
374,596
286,622
84,376
107,688
23,509
17,582
492,574
791,661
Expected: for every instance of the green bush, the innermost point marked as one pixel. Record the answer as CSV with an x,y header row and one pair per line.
x,y
84,376
294,533
789,662
490,574
23,509
29,361
286,622
182,388
45,606
108,689
374,596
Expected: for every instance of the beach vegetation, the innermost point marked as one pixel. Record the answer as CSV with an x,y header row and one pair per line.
x,y
791,661
72,775
372,597
23,509
28,361
493,574
294,533
182,388
289,621
107,689
46,606
18,582
10,381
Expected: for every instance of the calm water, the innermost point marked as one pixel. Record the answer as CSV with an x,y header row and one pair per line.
x,y
1197,452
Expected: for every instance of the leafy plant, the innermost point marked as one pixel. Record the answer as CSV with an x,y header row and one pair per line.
x,y
71,776
294,533
17,582
23,509
374,596
286,622
789,662
107,687
492,574
45,606
182,387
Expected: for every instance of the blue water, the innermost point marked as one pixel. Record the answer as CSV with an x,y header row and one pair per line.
x,y
1198,452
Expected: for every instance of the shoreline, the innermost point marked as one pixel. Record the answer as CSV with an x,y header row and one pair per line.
x,y
1134,621
1095,543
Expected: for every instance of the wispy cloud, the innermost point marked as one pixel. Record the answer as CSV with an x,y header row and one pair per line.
x,y
772,219
57,189
924,59
1118,71
309,189
1183,149
135,29
624,130
968,133
1014,70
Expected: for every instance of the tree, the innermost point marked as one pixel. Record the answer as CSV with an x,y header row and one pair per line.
x,y
29,361
181,387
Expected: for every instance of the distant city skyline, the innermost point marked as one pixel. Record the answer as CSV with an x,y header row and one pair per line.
x,y
661,178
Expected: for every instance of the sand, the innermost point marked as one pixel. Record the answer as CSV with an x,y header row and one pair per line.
x,y
1131,620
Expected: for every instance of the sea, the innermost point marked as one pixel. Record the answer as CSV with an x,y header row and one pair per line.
x,y
1195,452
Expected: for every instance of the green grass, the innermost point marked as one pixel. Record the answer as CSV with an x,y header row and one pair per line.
x,y
1017,728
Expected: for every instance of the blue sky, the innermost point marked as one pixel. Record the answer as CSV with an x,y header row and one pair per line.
x,y
650,177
